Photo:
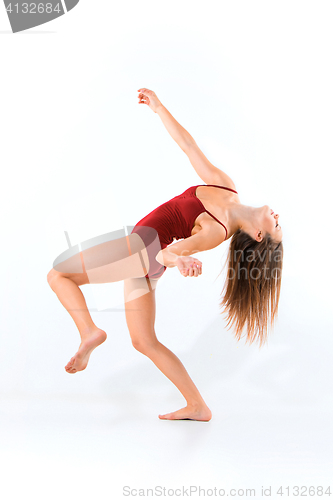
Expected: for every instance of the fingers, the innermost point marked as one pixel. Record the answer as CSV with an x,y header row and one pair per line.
x,y
145,91
193,270
143,99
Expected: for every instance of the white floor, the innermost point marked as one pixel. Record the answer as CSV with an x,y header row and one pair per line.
x,y
92,436
93,447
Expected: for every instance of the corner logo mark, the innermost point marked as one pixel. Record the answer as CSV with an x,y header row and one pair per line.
x,y
25,15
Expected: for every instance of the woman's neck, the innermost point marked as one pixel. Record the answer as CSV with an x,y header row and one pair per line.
x,y
240,216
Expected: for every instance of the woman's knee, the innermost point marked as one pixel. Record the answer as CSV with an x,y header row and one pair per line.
x,y
145,346
78,278
51,275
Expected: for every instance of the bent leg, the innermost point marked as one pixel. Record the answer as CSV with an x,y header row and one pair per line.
x,y
140,310
68,292
107,262
104,263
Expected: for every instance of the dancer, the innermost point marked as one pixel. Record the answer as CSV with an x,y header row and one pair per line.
x,y
251,290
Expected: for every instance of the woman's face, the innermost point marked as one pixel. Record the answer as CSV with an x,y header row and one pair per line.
x,y
270,223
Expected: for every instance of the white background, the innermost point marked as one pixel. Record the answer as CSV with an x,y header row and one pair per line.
x,y
252,82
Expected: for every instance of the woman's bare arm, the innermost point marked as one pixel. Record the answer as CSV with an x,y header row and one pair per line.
x,y
205,239
177,132
203,167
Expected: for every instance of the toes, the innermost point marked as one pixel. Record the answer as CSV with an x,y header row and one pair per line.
x,y
70,363
69,368
166,416
72,370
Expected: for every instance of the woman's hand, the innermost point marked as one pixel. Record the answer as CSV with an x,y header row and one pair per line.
x,y
150,98
188,266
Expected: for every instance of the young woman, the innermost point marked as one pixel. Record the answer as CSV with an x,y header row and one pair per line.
x,y
252,287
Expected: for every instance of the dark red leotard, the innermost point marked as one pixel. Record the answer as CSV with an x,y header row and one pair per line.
x,y
171,220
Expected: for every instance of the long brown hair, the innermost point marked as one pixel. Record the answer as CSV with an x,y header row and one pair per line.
x,y
252,288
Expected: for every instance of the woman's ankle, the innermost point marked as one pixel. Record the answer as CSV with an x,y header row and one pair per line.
x,y
196,404
87,330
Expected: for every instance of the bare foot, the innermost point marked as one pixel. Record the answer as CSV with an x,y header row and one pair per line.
x,y
201,413
90,341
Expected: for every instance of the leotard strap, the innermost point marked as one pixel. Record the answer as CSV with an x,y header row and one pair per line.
x,y
222,187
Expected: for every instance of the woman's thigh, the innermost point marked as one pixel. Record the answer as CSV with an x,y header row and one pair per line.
x,y
114,260
140,308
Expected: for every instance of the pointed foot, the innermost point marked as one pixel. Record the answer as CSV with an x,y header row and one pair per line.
x,y
80,360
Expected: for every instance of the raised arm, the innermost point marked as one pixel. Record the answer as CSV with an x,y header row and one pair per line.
x,y
177,132
205,170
